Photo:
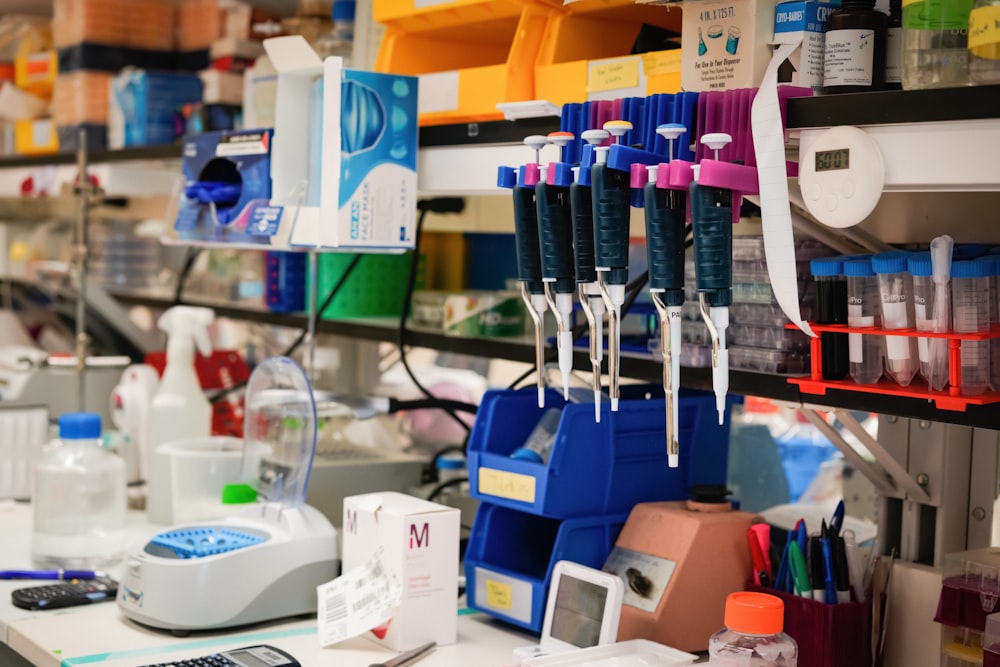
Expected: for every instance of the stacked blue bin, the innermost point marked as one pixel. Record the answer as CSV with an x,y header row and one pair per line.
x,y
573,506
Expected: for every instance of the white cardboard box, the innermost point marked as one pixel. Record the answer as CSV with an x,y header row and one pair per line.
x,y
420,550
725,45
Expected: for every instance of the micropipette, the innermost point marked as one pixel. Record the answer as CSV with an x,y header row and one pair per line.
x,y
665,232
529,263
712,225
581,205
611,202
555,240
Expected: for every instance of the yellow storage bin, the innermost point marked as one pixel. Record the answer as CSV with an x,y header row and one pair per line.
x,y
36,73
470,54
585,53
34,137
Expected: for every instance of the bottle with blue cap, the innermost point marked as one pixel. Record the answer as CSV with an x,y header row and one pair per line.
x,y
79,499
896,295
933,352
865,351
970,312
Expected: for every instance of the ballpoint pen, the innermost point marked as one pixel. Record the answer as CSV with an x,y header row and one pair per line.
x,y
712,225
529,262
841,573
50,574
830,589
555,240
837,520
581,206
406,657
800,573
612,198
665,231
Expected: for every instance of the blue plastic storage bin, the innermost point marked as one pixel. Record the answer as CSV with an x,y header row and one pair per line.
x,y
510,556
594,469
285,281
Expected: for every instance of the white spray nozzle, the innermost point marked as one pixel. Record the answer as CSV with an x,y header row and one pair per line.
x,y
560,139
717,141
192,321
671,132
941,249
536,142
594,137
618,128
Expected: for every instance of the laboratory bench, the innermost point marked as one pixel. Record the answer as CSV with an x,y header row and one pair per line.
x,y
99,634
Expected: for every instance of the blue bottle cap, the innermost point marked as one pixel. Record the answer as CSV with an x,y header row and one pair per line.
x,y
827,266
525,454
343,10
450,462
992,261
919,265
858,268
969,250
893,261
79,426
970,268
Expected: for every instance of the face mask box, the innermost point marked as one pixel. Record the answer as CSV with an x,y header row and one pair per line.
x,y
344,164
802,22
419,540
725,45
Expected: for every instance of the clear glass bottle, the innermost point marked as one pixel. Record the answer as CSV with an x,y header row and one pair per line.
x,y
79,500
935,43
753,634
984,42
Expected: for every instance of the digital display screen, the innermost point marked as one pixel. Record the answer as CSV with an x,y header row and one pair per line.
x,y
249,659
835,159
578,612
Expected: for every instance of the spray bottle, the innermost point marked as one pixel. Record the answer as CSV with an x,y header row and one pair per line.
x,y
179,409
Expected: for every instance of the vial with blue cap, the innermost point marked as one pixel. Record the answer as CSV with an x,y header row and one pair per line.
x,y
79,500
896,296
933,352
970,312
865,351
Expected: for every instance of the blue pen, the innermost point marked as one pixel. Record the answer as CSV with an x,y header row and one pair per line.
x,y
783,578
828,566
50,574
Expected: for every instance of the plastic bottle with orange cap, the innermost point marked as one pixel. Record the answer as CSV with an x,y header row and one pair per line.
x,y
753,636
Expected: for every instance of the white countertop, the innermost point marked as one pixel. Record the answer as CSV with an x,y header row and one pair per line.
x,y
100,635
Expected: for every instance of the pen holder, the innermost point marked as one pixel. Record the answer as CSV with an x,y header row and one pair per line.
x,y
828,635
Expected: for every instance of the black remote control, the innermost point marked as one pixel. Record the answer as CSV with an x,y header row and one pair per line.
x,y
65,593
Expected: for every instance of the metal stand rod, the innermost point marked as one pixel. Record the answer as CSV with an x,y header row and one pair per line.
x,y
83,190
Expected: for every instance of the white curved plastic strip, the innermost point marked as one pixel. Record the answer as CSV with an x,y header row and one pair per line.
x,y
769,145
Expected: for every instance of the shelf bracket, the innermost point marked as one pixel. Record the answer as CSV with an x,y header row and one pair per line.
x,y
884,483
893,467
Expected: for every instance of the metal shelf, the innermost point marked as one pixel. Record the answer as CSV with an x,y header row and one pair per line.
x,y
171,152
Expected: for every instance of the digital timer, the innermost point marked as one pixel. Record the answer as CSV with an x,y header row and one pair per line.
x,y
841,176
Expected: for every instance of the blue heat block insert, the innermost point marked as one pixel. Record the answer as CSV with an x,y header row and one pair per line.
x,y
201,542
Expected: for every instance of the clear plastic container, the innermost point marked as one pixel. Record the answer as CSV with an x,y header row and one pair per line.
x,y
753,634
984,42
970,311
934,372
994,300
79,500
935,43
896,292
865,351
339,41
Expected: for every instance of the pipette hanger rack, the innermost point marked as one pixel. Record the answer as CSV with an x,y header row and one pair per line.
x,y
951,398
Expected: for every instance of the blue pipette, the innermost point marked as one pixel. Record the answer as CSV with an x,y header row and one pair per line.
x,y
555,239
612,199
581,205
712,225
665,211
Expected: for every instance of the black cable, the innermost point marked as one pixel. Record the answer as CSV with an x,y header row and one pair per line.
x,y
431,404
436,491
411,284
185,272
290,350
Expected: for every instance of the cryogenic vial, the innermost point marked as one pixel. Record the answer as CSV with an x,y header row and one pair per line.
x,y
994,298
984,42
538,446
79,500
753,636
831,292
935,43
933,352
865,351
896,296
970,310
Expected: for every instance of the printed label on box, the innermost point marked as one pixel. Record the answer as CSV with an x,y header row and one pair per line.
x,y
264,220
510,485
243,143
849,58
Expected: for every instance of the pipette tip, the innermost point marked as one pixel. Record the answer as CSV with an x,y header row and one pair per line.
x,y
597,406
566,387
673,460
722,410
614,404
541,397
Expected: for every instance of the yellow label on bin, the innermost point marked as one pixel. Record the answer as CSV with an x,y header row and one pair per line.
x,y
984,28
662,62
604,75
498,595
503,484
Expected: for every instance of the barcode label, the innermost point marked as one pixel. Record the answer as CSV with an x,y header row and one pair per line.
x,y
336,609
359,600
367,600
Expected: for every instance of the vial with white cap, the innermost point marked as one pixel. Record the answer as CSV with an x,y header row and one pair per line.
x,y
896,295
864,351
970,312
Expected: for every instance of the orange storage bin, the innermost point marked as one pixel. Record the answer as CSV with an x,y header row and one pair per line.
x,y
470,54
573,65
